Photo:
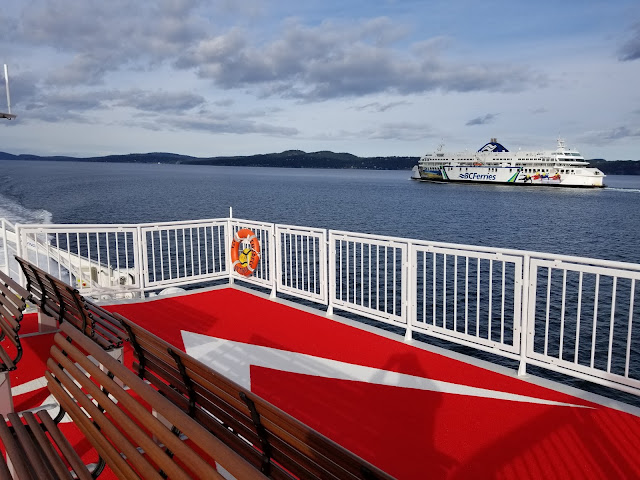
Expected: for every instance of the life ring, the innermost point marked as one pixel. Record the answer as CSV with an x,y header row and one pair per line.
x,y
246,260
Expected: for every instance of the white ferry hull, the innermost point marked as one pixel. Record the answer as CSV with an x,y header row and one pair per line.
x,y
504,175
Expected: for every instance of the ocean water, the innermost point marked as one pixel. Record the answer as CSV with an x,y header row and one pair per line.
x,y
602,223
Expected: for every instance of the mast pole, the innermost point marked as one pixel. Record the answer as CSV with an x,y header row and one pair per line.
x,y
6,82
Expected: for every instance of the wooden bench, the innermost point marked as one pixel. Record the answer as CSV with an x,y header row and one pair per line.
x,y
13,301
270,439
62,302
116,421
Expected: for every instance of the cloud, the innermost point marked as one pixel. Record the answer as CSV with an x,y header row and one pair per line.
x,y
611,135
631,49
93,39
400,131
488,118
386,131
237,125
160,101
380,107
332,61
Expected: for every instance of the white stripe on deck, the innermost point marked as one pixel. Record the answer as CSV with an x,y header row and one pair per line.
x,y
234,359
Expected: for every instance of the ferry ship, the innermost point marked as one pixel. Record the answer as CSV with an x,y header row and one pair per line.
x,y
493,163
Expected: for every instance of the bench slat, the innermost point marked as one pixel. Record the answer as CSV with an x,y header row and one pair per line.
x,y
6,360
12,447
9,320
4,470
36,462
64,446
10,310
45,446
7,280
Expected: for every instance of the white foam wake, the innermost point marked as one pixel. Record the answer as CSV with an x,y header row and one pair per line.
x,y
17,213
628,190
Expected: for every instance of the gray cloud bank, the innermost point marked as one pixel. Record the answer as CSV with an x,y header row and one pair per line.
x,y
630,50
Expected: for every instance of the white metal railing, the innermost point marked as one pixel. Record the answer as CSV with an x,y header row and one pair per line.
x,y
92,258
367,275
182,253
472,296
578,316
580,319
8,248
301,255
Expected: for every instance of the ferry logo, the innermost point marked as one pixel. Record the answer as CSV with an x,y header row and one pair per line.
x,y
477,176
489,147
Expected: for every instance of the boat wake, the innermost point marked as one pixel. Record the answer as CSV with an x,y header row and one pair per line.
x,y
17,213
627,190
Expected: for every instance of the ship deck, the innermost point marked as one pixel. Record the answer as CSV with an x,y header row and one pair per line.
x,y
414,410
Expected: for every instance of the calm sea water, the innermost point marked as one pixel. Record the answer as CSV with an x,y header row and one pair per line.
x,y
601,223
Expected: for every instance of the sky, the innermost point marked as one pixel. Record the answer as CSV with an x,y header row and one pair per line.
x,y
372,78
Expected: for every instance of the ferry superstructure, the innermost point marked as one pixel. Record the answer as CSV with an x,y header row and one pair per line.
x,y
493,163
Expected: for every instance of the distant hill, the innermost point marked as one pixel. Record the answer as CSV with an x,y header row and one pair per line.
x,y
296,159
289,158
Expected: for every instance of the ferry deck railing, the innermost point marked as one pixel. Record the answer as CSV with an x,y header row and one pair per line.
x,y
573,315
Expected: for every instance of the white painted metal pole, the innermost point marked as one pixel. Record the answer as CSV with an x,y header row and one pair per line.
x,y
525,319
5,248
6,81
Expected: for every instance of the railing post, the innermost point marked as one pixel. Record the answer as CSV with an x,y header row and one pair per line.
x,y
21,278
141,261
524,319
331,250
5,248
273,262
228,236
409,294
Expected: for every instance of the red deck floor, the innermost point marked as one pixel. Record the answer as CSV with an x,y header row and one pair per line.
x,y
414,413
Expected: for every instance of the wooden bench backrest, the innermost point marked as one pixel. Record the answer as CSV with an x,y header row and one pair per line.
x,y
266,436
121,425
64,303
13,300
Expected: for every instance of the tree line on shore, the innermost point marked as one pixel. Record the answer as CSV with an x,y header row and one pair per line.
x,y
297,159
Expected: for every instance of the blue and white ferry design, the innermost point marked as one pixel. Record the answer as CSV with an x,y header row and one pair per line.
x,y
493,163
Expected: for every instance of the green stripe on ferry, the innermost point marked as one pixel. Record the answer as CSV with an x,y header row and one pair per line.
x,y
513,178
444,174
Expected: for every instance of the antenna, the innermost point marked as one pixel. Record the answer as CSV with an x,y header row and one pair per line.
x,y
8,116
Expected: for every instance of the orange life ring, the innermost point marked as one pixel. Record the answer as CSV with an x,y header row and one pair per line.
x,y
246,260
